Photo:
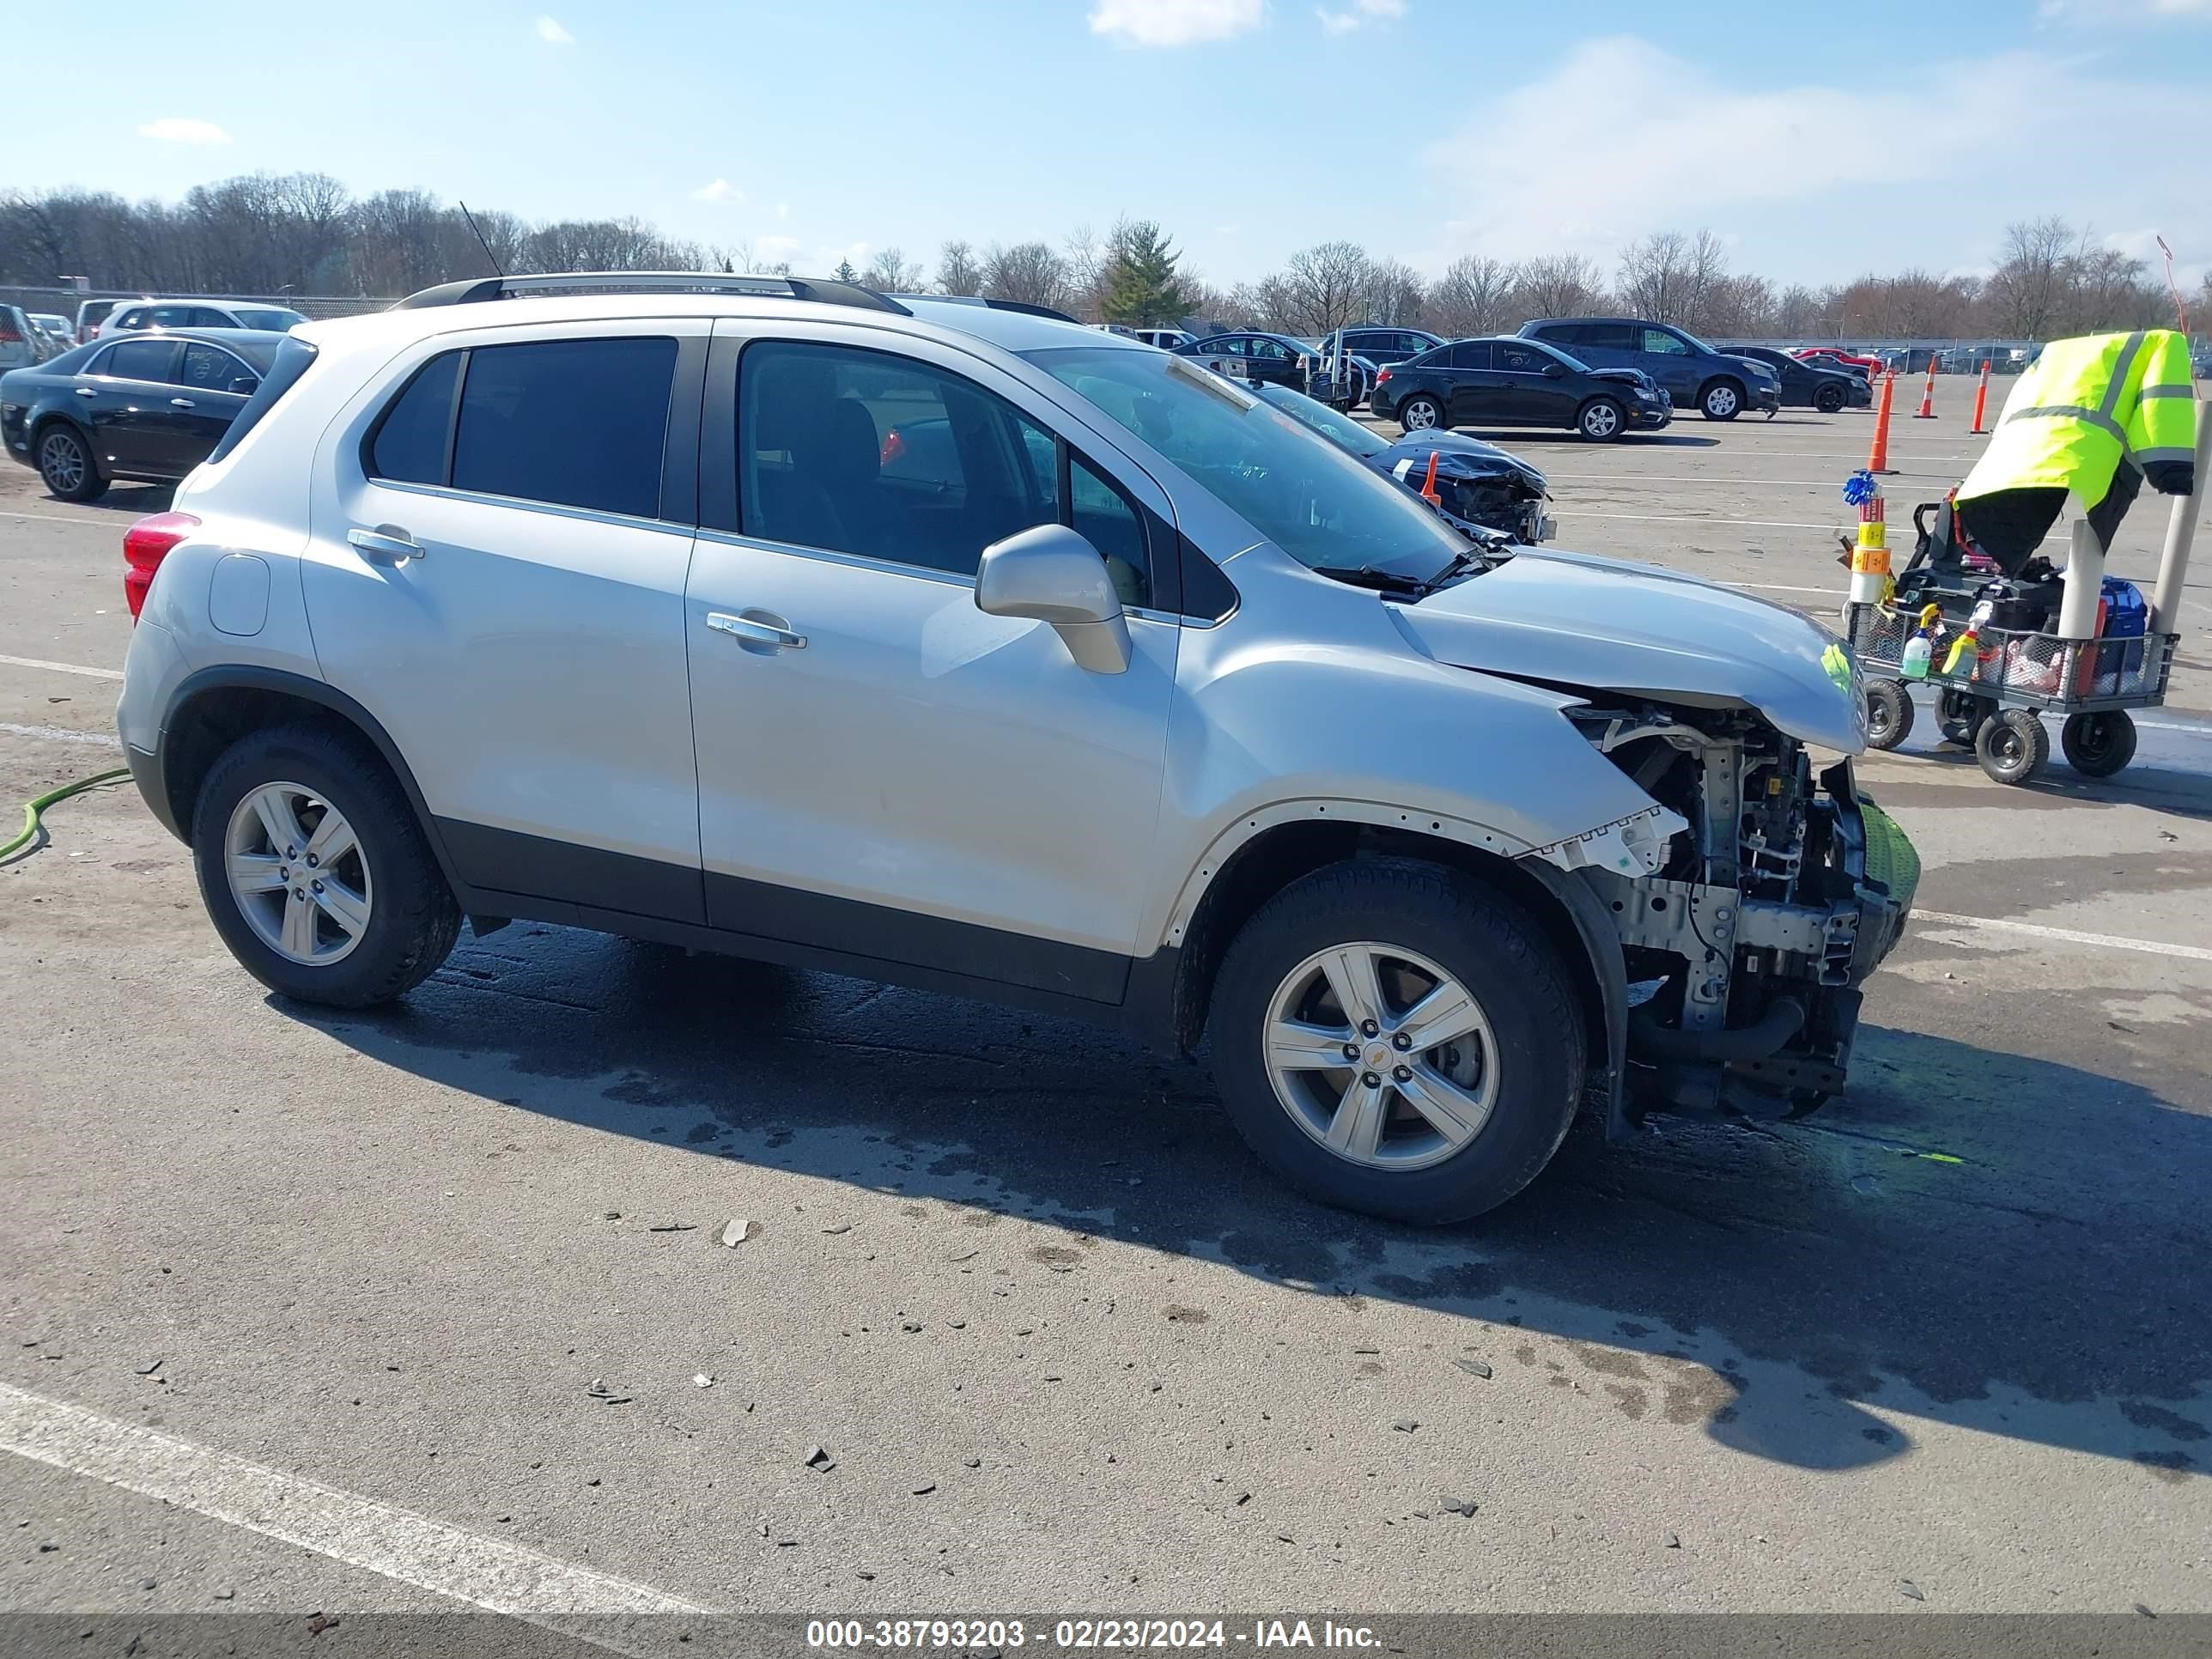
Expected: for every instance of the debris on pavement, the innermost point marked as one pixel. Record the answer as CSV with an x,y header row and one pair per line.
x,y
1473,1367
1907,1586
675,1227
818,1458
1405,1426
735,1232
149,1368
701,1380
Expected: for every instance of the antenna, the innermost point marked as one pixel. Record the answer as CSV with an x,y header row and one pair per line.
x,y
496,269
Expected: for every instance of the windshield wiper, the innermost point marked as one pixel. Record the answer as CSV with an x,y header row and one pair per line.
x,y
1368,576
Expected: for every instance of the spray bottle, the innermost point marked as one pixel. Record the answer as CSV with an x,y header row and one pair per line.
x,y
1921,647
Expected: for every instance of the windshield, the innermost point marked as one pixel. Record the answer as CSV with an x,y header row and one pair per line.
x,y
269,317
1320,505
1359,440
1696,344
1560,352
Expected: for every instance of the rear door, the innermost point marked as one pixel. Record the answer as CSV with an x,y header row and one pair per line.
x,y
1476,397
201,401
529,660
125,403
1270,360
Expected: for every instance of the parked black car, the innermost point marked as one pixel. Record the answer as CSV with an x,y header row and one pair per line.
x,y
1695,375
1808,385
146,406
1372,343
1514,382
1483,488
1280,360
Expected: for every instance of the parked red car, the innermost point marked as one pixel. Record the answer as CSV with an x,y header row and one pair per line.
x,y
1839,358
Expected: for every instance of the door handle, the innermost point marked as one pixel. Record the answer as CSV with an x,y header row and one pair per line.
x,y
87,392
386,544
757,628
182,403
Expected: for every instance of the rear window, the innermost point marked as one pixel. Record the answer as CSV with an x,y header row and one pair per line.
x,y
293,359
408,444
574,422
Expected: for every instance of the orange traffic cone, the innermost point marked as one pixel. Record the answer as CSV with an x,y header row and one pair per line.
x,y
1927,409
1878,457
1428,484
1981,402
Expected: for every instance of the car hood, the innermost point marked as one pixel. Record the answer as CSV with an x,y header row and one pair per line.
x,y
1476,457
1573,620
1757,367
1635,377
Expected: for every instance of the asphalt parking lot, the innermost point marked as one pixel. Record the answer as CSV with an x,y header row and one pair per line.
x,y
1941,1348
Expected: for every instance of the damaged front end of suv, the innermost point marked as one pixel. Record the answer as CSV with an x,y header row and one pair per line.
x,y
1762,888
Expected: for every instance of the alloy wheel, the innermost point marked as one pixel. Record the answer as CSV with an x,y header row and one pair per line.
x,y
298,874
61,462
1601,420
1420,416
1380,1055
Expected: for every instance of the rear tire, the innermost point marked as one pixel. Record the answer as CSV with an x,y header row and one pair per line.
x,y
384,920
1505,1085
1962,715
2012,746
66,464
1889,714
1601,421
1722,401
2098,746
1420,413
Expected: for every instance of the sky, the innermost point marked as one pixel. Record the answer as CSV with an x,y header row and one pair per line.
x,y
1819,141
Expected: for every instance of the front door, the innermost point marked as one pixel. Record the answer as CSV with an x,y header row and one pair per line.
x,y
496,566
1534,394
1667,359
884,771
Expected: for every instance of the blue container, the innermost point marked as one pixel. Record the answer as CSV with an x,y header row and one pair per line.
x,y
2119,667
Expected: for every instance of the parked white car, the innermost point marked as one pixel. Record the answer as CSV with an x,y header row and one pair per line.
x,y
198,313
963,648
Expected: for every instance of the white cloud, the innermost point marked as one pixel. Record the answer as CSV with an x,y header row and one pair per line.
x,y
1175,23
783,210
553,34
184,130
1361,11
778,247
2000,138
720,191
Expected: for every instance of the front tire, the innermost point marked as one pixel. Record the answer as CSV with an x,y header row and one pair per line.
x,y
66,464
2098,746
1829,400
1420,413
1889,714
1601,421
315,871
1722,401
1466,1051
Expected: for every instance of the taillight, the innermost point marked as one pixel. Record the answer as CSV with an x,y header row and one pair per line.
x,y
145,544
1381,375
10,335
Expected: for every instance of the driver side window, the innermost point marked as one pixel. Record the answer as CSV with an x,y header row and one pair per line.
x,y
1659,340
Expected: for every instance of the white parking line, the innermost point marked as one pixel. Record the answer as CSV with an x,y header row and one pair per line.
x,y
63,667
57,734
360,1532
2150,947
58,518
1567,515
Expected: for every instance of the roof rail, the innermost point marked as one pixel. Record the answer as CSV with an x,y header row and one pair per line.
x,y
1022,305
649,281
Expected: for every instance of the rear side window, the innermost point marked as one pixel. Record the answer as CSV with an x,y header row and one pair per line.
x,y
211,369
1523,360
1467,354
408,446
140,359
574,422
293,359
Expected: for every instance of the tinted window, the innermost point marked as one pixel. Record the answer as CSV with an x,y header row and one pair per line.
x,y
269,317
410,442
179,316
576,423
1659,340
1612,337
1467,354
211,369
1523,359
140,359
813,426
1274,350
203,318
1228,346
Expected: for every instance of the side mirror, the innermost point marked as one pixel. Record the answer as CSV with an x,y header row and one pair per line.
x,y
1555,371
1051,575
243,386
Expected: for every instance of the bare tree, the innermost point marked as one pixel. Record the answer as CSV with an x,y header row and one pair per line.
x,y
1028,271
891,272
1557,285
1323,286
957,270
2028,290
1469,298
1670,277
1391,293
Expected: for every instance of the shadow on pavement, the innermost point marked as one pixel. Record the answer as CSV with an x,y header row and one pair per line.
x,y
1984,1239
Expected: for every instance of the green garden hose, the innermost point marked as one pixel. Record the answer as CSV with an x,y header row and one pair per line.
x,y
39,803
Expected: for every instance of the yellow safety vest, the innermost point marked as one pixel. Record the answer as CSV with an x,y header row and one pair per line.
x,y
2081,406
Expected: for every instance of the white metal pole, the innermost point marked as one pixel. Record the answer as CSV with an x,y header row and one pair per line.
x,y
2085,583
2180,533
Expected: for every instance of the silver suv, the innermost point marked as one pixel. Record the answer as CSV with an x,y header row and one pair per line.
x,y
963,648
